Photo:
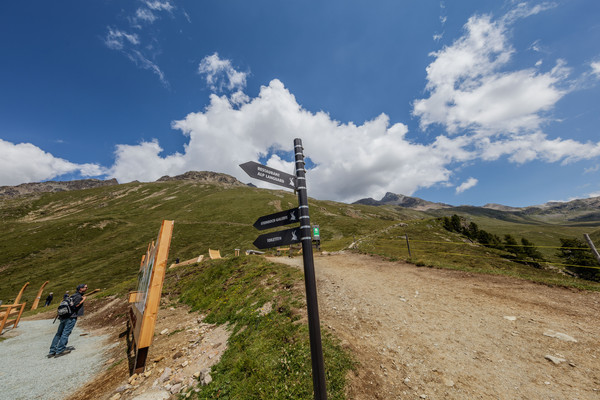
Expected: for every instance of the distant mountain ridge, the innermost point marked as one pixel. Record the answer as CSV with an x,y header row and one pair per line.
x,y
63,186
401,200
575,210
203,176
54,186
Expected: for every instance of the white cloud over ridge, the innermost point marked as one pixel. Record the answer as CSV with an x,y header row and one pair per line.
x,y
351,161
24,162
468,184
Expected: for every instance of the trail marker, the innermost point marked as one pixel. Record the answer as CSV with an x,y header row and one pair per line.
x,y
267,174
275,239
295,235
278,219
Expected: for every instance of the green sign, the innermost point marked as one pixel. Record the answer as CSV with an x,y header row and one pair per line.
x,y
316,233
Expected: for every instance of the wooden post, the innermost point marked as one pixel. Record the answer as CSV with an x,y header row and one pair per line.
x,y
39,295
4,317
408,245
21,293
19,316
591,244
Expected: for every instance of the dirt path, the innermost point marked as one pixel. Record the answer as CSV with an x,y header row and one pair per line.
x,y
439,334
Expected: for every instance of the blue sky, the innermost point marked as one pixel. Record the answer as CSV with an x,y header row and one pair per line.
x,y
468,102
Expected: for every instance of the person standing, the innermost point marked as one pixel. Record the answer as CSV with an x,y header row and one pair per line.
x,y
49,299
59,343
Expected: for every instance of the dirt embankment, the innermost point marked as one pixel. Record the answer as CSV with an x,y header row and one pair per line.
x,y
439,334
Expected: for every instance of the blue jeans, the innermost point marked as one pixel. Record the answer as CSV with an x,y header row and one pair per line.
x,y
62,335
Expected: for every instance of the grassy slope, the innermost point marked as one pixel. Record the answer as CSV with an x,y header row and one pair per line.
x,y
99,235
268,356
432,245
544,232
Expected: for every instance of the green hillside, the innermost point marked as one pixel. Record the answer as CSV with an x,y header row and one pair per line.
x,y
99,235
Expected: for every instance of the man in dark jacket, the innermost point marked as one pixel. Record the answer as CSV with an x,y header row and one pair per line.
x,y
59,343
49,299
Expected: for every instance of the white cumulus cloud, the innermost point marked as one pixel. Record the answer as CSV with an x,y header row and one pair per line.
x,y
468,184
24,162
469,90
220,74
352,161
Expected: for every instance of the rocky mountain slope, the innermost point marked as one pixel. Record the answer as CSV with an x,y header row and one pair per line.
x,y
63,186
203,176
574,210
54,186
403,201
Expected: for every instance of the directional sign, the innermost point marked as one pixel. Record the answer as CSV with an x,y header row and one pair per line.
x,y
259,171
278,219
281,238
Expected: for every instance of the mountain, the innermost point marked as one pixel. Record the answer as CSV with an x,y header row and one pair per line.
x,y
579,210
203,176
500,207
64,186
53,186
393,199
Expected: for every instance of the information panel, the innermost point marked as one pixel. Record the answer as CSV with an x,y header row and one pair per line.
x,y
145,301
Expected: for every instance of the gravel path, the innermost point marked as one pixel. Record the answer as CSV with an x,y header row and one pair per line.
x,y
441,334
26,373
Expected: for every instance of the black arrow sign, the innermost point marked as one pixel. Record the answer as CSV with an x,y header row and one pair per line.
x,y
259,171
281,238
278,219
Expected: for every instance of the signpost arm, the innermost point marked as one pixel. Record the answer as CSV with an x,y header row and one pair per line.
x,y
314,326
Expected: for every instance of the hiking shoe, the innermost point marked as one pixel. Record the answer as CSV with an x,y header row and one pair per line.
x,y
50,355
64,353
71,348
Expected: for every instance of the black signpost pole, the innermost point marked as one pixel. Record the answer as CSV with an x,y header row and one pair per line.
x,y
314,326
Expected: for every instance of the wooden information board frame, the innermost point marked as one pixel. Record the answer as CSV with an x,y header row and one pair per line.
x,y
144,303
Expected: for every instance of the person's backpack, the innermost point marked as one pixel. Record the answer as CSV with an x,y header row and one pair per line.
x,y
65,308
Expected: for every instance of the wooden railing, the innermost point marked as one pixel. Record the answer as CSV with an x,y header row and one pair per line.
x,y
10,315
